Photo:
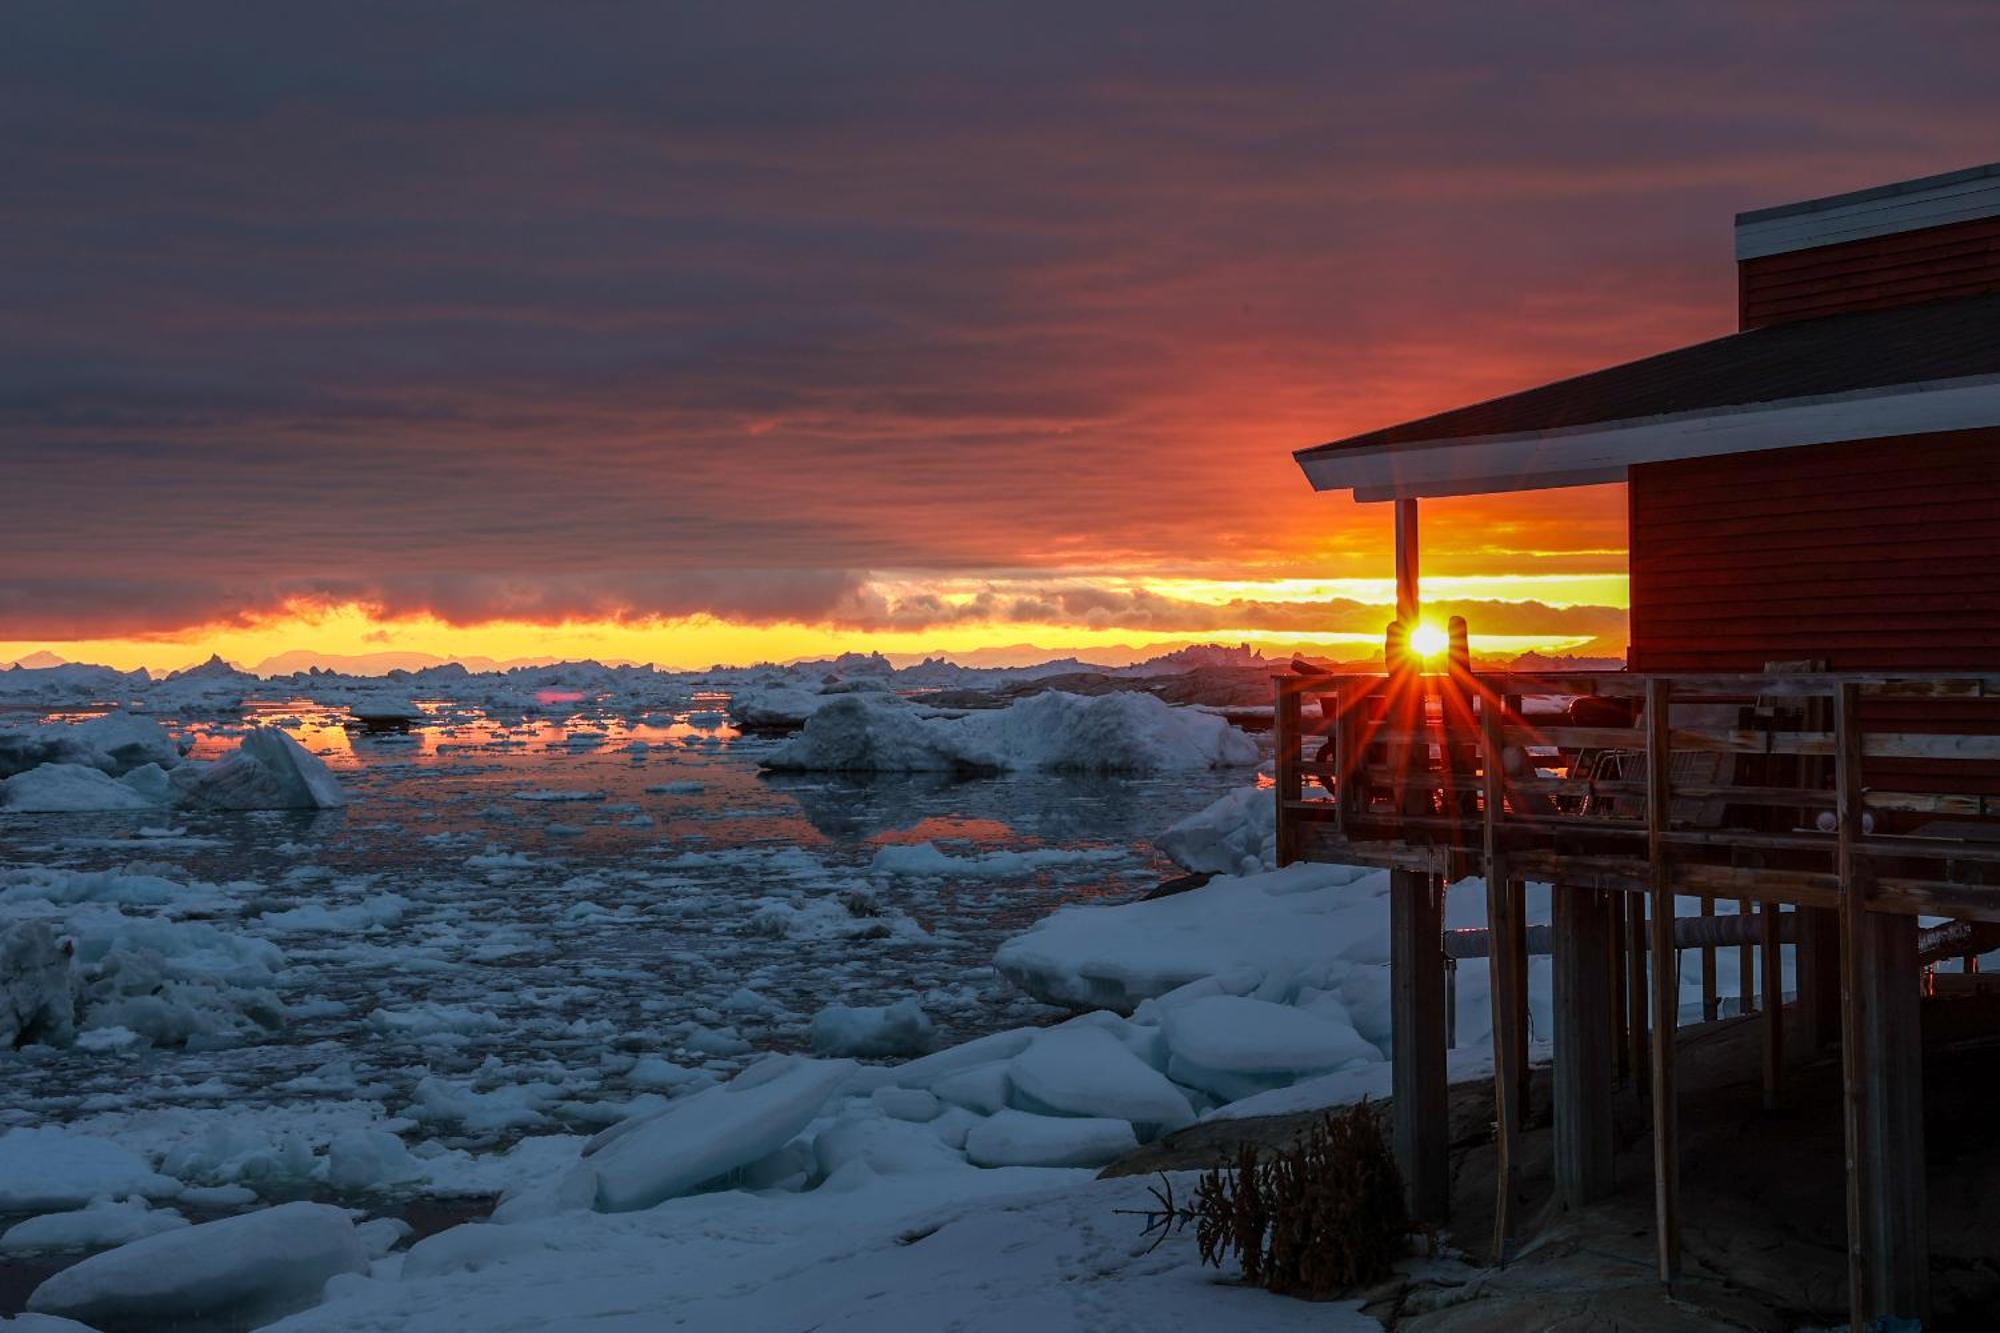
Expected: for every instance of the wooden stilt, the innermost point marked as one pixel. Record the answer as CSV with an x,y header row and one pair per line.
x,y
1711,999
1621,1049
1817,952
1888,1251
1666,984
1635,991
1504,955
1517,898
1585,1048
1774,1005
1746,966
1417,1036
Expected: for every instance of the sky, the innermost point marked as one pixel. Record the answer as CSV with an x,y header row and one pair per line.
x,y
726,332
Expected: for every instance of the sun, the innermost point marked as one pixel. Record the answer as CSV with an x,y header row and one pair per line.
x,y
1428,640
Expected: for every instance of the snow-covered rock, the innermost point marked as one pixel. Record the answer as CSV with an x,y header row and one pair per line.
x,y
1236,834
701,1138
248,1269
1015,1138
269,771
1082,1070
902,1028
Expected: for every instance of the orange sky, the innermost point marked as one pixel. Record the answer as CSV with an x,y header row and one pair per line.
x,y
741,332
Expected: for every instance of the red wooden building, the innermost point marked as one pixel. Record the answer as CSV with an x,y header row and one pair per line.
x,y
1813,687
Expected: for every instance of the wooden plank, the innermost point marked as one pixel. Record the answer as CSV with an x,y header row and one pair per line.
x,y
1582,995
1417,1038
1666,984
1853,1001
1746,967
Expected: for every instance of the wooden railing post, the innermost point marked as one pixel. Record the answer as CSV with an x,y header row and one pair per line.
x,y
1290,742
1505,935
1666,979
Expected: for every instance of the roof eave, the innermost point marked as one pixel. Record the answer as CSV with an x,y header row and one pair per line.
x,y
1602,451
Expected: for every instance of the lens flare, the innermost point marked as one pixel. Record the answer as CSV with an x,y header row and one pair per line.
x,y
1428,641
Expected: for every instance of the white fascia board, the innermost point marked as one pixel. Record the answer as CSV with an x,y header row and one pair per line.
x,y
1588,455
1958,198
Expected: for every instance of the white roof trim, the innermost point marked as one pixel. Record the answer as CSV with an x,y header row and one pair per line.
x,y
1601,452
1885,211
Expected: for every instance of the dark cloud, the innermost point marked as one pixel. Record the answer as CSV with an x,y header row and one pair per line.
x,y
485,307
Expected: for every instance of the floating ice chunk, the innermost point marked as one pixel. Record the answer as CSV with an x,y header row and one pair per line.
x,y
700,1138
1085,1071
924,858
68,789
1236,834
382,1234
1015,1138
113,743
470,1248
268,771
366,1159
248,1269
902,1028
1109,733
37,996
660,1075
385,708
555,796
47,1168
100,1225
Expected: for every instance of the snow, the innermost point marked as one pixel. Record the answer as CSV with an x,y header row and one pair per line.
x,y
1236,1034
1015,1138
46,1168
1083,1070
902,1028
253,1267
1052,731
638,1163
1281,922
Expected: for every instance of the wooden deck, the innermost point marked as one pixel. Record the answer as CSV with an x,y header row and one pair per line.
x,y
1624,791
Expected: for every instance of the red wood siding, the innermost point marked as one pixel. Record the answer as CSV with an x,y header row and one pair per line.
x,y
1871,555
1957,259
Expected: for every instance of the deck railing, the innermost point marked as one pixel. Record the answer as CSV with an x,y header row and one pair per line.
x,y
1773,787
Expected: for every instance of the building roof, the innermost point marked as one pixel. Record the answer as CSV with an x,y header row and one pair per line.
x,y
1882,210
1914,368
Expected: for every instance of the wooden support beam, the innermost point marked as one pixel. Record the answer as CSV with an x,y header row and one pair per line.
x,y
1517,899
1817,968
1636,1022
1408,601
1505,955
1666,987
1769,948
1621,1049
1746,966
1583,942
1711,999
1417,1039
1888,1251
